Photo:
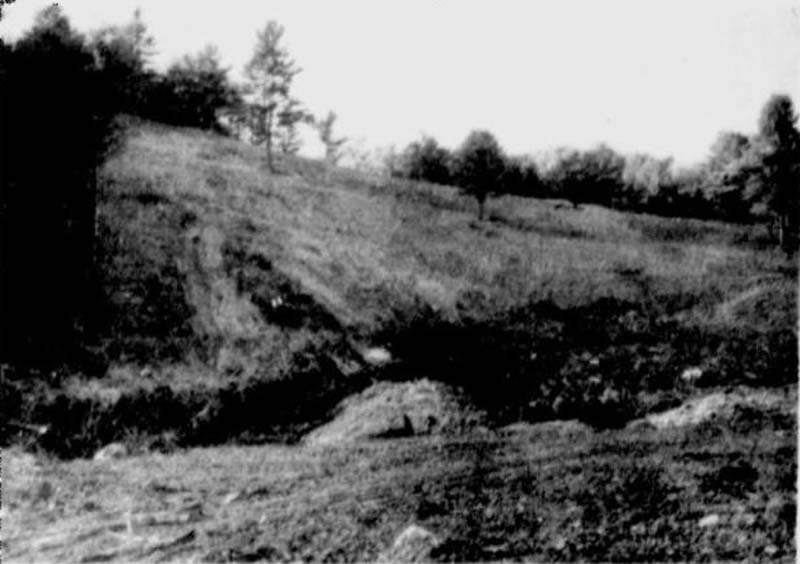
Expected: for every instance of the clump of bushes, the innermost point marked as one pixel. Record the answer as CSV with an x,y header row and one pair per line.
x,y
50,148
734,478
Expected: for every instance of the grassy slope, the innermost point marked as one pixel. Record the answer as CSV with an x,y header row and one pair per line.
x,y
358,245
199,242
355,258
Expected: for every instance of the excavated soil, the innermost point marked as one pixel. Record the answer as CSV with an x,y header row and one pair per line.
x,y
395,409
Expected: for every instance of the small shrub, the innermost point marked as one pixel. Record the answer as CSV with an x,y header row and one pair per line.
x,y
735,478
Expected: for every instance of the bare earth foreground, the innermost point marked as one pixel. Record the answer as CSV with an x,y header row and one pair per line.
x,y
253,419
546,491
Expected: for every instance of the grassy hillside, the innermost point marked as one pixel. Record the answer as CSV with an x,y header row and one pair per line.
x,y
237,307
225,287
358,245
202,210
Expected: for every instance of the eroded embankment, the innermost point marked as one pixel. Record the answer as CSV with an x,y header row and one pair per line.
x,y
604,364
236,350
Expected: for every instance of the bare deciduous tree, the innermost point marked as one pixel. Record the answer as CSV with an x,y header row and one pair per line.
x,y
333,145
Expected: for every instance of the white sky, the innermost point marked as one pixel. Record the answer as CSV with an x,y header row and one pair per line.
x,y
662,77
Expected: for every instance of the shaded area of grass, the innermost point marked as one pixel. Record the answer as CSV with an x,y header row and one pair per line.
x,y
142,313
593,362
162,418
680,230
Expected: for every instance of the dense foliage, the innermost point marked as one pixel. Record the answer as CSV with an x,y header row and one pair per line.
x,y
51,147
190,93
427,160
478,166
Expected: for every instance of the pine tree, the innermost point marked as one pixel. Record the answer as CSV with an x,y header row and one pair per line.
x,y
270,73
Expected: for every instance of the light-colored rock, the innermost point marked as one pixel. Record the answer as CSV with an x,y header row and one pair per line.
x,y
377,356
111,451
232,497
414,544
744,520
692,375
609,396
711,520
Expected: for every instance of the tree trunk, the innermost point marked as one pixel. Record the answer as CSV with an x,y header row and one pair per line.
x,y
94,199
268,140
788,234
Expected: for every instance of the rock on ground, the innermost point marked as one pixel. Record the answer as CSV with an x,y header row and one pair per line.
x,y
377,356
414,544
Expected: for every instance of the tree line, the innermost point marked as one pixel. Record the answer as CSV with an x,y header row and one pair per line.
x,y
744,179
196,91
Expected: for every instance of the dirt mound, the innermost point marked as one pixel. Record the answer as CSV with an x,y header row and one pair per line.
x,y
720,405
395,409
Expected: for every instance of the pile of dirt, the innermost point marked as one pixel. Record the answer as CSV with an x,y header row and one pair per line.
x,y
721,404
396,409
